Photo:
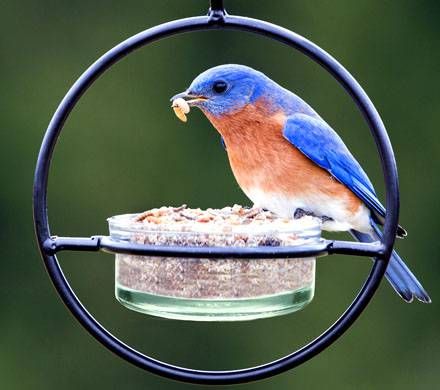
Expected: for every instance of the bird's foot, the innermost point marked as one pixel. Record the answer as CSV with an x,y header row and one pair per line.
x,y
254,210
299,213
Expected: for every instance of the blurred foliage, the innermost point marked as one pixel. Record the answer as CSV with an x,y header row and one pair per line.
x,y
123,150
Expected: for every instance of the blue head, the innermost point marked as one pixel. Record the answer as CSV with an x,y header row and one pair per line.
x,y
226,89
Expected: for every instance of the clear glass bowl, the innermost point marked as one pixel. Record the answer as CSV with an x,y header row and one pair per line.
x,y
214,289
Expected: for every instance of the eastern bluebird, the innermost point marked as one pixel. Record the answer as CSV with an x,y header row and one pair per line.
x,y
288,160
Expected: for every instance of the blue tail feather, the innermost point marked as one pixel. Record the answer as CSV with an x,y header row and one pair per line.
x,y
398,274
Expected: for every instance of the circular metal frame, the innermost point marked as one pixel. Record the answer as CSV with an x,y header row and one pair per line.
x,y
49,245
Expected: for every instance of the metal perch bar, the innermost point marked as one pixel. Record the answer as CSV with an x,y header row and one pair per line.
x,y
106,244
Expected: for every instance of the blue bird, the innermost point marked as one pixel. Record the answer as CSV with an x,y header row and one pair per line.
x,y
288,160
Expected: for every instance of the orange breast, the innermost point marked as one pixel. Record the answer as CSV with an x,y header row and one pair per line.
x,y
262,158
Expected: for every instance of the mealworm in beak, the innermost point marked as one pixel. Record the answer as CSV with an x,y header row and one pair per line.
x,y
181,108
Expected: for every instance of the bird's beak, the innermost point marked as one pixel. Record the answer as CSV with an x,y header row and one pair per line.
x,y
190,98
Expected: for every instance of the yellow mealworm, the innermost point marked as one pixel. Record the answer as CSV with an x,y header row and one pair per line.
x,y
181,108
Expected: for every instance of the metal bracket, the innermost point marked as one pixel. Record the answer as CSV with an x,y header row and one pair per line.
x,y
216,12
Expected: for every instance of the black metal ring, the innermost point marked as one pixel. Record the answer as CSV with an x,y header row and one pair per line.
x,y
224,21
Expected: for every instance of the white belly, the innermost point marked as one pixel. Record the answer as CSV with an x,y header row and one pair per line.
x,y
319,204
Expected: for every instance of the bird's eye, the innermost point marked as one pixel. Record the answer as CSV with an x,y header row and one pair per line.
x,y
219,87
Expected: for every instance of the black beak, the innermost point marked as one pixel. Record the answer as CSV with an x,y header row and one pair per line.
x,y
190,98
181,95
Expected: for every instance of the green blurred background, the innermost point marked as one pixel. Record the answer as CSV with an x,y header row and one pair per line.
x,y
123,150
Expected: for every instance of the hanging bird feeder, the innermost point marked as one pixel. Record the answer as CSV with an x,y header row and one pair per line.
x,y
125,248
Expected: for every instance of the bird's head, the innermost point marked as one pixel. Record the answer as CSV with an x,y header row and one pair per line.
x,y
224,89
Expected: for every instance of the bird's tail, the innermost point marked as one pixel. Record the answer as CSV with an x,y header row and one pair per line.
x,y
397,273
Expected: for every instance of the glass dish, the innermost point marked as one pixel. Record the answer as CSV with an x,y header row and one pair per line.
x,y
214,289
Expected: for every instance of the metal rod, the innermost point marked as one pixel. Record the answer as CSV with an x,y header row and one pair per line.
x,y
107,244
84,244
357,248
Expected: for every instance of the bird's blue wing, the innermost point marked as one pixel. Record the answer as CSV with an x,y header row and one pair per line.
x,y
319,142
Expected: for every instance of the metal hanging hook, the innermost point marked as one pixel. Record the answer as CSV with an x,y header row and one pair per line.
x,y
216,12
